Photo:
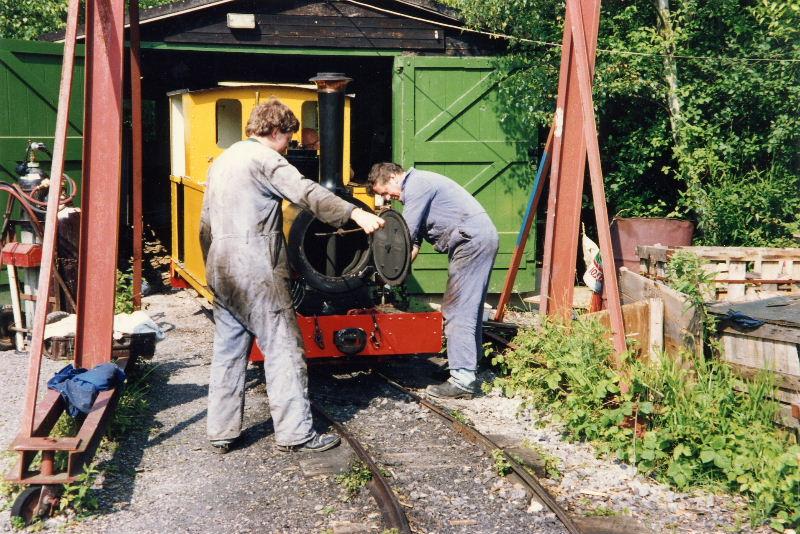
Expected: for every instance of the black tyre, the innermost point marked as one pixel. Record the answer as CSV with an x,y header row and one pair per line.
x,y
6,335
26,504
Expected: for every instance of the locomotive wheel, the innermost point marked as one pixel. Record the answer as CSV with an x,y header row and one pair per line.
x,y
26,505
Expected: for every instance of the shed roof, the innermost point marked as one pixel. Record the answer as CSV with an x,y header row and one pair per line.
x,y
421,26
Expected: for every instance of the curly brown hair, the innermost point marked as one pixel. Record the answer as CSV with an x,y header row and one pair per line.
x,y
269,116
380,173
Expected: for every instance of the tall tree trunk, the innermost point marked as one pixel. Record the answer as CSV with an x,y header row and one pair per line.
x,y
670,72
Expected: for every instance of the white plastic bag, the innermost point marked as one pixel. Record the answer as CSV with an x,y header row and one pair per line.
x,y
593,277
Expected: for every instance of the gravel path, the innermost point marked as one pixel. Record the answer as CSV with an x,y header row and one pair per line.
x,y
162,478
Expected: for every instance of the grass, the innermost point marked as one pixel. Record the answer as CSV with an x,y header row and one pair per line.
x,y
552,464
133,406
603,511
355,478
501,464
459,416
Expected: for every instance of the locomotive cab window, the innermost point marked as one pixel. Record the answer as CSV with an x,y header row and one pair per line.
x,y
229,122
309,116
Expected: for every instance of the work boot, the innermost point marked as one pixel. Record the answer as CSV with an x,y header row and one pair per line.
x,y
318,443
221,446
451,390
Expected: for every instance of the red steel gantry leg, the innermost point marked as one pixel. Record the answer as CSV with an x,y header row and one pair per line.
x,y
575,131
136,122
102,162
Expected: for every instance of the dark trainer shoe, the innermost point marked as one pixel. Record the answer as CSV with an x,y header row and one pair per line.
x,y
448,390
319,443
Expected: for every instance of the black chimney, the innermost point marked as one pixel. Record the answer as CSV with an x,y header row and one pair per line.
x,y
330,95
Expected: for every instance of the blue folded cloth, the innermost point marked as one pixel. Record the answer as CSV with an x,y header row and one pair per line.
x,y
79,387
743,321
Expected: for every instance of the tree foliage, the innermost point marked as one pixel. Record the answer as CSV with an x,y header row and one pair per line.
x,y
727,156
29,19
719,144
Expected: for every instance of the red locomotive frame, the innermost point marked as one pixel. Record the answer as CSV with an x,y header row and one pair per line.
x,y
388,334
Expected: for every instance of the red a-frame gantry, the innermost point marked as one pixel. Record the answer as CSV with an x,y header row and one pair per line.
x,y
102,160
572,139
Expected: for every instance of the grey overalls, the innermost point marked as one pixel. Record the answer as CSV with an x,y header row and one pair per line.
x,y
247,271
443,213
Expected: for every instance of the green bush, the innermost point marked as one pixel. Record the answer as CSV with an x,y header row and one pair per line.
x,y
690,424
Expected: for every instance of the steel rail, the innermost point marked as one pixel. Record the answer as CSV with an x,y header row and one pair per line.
x,y
490,446
394,517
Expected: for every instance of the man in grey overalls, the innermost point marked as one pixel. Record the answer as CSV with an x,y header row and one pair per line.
x,y
241,234
443,213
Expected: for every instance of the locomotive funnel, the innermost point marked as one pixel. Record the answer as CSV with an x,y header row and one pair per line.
x,y
330,95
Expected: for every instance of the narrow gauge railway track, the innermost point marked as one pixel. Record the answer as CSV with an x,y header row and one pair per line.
x,y
392,511
394,517
474,436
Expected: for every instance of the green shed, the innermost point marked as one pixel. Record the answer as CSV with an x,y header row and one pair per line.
x,y
426,95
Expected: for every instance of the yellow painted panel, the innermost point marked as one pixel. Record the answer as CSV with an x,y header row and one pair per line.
x,y
193,255
173,191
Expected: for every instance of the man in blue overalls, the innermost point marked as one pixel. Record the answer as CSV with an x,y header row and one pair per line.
x,y
443,213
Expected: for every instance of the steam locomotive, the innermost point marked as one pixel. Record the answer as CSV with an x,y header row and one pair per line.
x,y
345,283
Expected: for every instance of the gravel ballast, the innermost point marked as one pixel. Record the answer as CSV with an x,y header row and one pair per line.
x,y
162,478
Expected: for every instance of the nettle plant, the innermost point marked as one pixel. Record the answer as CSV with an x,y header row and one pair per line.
x,y
688,422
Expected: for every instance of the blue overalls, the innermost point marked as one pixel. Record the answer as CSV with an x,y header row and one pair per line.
x,y
443,213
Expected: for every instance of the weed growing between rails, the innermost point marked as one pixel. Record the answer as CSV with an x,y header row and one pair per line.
x,y
681,422
354,479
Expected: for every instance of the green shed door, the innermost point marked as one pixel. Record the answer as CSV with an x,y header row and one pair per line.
x,y
30,74
446,119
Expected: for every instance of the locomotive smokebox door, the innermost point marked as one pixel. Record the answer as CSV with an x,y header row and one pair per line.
x,y
391,249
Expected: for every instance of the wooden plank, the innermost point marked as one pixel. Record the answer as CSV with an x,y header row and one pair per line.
x,y
307,41
682,327
656,328
736,271
770,270
636,318
653,253
385,23
782,380
777,356
765,331
781,310
304,30
663,253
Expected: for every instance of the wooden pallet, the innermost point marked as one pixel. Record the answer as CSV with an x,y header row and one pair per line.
x,y
740,273
772,346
